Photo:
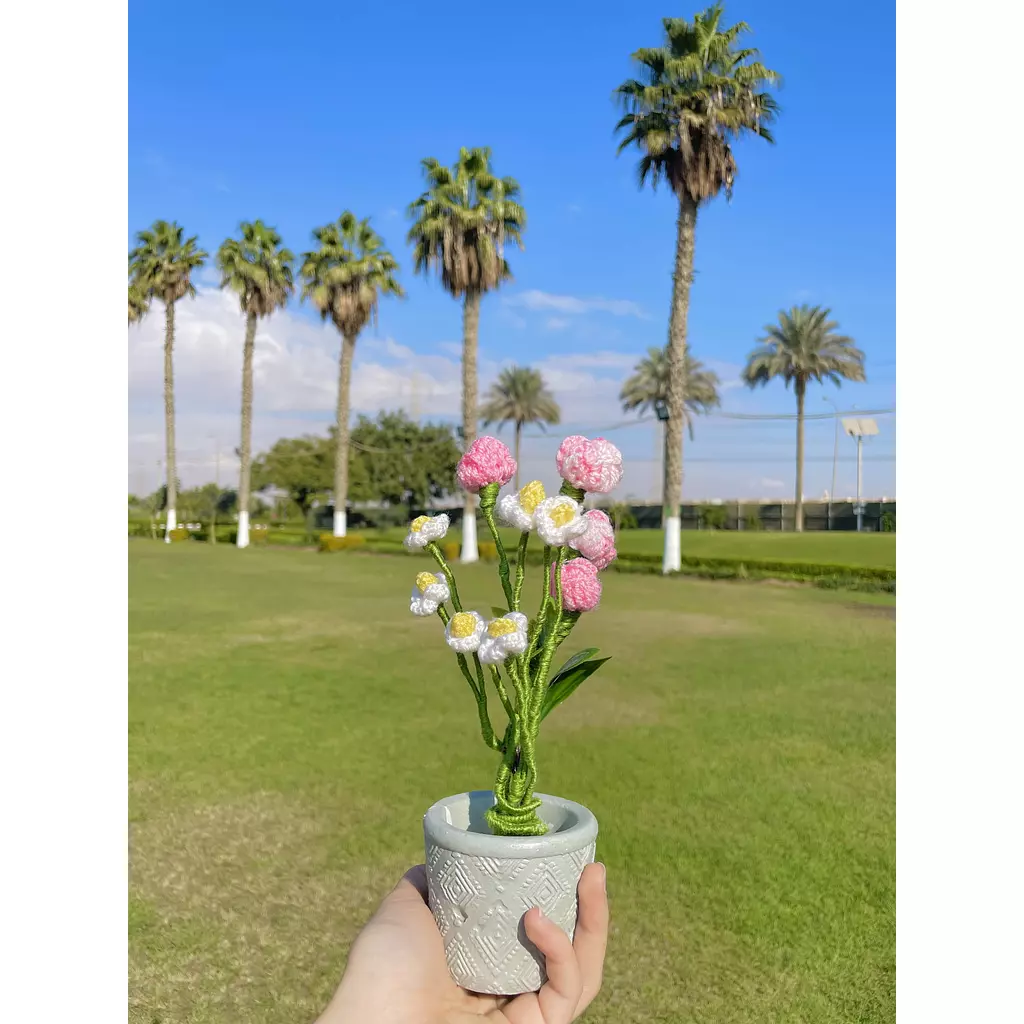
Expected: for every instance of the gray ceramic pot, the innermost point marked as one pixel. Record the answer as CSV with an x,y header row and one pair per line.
x,y
481,885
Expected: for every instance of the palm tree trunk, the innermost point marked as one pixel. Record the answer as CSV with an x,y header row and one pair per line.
x,y
470,343
519,437
348,348
172,468
801,387
664,466
682,277
245,449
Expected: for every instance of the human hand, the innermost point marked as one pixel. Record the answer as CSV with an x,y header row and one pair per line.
x,y
396,972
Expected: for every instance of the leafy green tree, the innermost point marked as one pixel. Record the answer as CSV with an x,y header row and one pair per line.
x,y
161,266
258,269
461,225
138,304
344,278
402,462
302,466
519,396
696,94
803,346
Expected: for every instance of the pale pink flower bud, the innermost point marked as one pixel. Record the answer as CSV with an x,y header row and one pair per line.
x,y
597,545
590,465
581,589
487,461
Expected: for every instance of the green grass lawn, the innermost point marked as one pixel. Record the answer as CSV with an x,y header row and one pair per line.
x,y
289,722
855,549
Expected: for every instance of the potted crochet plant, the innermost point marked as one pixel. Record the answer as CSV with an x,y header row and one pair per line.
x,y
493,854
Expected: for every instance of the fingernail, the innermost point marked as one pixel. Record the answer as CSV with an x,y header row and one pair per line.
x,y
540,913
604,878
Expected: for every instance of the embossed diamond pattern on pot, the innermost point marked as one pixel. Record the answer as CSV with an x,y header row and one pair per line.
x,y
544,887
496,934
458,883
459,958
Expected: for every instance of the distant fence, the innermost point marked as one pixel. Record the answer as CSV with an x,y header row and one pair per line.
x,y
879,517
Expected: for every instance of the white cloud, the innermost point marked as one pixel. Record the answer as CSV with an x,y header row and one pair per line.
x,y
295,371
556,323
572,305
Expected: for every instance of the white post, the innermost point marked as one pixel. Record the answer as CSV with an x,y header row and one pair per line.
x,y
172,523
860,505
340,522
672,560
470,552
243,529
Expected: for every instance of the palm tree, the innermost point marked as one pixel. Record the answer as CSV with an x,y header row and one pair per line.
x,y
345,278
803,346
161,266
647,391
519,396
259,270
697,94
138,304
460,227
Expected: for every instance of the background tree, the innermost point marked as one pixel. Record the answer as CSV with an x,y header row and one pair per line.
x,y
803,346
460,227
403,462
138,304
696,94
344,278
161,266
648,388
258,269
519,396
302,466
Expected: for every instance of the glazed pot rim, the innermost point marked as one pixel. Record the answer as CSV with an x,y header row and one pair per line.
x,y
574,827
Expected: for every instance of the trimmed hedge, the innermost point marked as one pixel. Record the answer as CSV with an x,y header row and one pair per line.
x,y
328,542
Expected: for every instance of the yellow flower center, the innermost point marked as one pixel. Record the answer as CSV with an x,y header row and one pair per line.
x,y
562,514
424,580
418,523
531,496
501,627
463,625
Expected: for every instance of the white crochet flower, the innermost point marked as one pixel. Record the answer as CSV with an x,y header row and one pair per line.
x,y
465,631
428,592
559,519
517,509
505,636
424,529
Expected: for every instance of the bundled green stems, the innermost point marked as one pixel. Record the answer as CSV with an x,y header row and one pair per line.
x,y
515,809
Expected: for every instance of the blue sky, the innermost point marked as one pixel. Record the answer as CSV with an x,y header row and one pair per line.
x,y
292,116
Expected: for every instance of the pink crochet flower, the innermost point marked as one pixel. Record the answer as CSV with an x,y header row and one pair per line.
x,y
488,461
581,589
598,543
594,466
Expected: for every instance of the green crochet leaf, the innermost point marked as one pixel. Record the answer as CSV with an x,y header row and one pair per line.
x,y
566,682
578,658
498,612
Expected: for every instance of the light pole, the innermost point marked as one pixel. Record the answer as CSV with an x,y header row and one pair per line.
x,y
835,457
661,411
860,429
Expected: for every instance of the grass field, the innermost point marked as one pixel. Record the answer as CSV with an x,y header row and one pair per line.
x,y
856,549
290,722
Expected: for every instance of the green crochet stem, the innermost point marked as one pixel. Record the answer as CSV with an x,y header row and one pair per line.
x,y
515,806
435,553
479,693
488,499
517,591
